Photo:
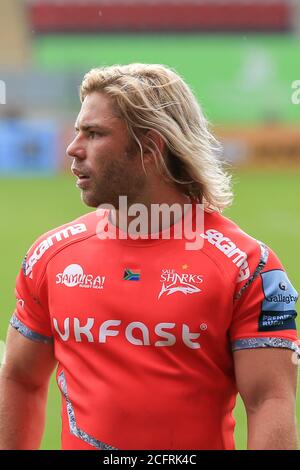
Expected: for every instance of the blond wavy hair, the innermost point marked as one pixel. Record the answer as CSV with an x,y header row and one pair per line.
x,y
154,97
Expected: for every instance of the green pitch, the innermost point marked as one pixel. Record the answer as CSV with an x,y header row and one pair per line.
x,y
267,205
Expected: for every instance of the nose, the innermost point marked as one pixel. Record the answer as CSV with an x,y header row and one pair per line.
x,y
76,149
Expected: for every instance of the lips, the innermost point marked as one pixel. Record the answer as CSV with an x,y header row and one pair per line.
x,y
80,174
83,179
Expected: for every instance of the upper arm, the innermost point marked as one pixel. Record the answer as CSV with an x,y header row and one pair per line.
x,y
27,361
29,355
263,332
265,373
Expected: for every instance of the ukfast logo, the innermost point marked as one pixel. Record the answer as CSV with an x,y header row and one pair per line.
x,y
229,249
74,275
64,234
173,281
136,333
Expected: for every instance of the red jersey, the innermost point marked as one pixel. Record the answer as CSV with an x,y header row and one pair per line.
x,y
144,330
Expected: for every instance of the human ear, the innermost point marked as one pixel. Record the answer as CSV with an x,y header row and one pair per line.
x,y
153,146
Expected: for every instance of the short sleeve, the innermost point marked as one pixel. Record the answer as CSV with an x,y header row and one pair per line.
x,y
31,317
265,307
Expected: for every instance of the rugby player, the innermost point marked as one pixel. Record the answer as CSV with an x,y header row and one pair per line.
x,y
151,341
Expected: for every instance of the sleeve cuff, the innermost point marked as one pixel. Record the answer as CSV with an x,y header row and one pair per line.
x,y
265,342
27,332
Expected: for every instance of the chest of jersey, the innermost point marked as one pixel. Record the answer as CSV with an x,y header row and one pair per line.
x,y
141,328
149,295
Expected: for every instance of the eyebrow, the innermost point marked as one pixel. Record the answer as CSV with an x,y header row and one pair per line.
x,y
87,127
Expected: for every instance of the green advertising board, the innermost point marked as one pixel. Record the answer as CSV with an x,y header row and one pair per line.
x,y
237,78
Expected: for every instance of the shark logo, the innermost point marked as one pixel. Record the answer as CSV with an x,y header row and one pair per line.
x,y
175,282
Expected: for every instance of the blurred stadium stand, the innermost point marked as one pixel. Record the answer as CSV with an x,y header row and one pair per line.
x,y
14,34
245,84
165,15
28,147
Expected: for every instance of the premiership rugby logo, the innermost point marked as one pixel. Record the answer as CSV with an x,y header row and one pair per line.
x,y
179,282
74,276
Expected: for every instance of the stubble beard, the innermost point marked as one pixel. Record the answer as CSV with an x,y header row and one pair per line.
x,y
117,180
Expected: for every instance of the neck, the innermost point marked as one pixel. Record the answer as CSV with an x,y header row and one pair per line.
x,y
151,214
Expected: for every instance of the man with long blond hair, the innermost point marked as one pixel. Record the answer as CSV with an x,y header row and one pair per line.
x,y
153,335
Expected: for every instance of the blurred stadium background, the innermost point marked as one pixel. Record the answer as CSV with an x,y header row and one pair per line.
x,y
241,58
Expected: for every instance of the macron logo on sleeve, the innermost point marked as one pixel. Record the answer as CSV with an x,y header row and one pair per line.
x,y
41,249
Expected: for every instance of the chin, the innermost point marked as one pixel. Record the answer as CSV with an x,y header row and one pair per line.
x,y
92,200
89,200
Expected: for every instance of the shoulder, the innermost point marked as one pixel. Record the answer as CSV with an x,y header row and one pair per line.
x,y
48,244
238,252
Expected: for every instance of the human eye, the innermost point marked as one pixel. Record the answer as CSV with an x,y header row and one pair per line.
x,y
94,134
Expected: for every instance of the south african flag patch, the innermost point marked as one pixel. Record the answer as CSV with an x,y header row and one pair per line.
x,y
132,274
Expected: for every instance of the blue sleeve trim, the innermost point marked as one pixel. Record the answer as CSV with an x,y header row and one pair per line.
x,y
74,429
264,256
27,332
265,342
